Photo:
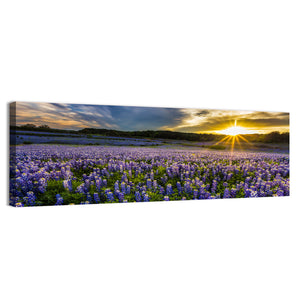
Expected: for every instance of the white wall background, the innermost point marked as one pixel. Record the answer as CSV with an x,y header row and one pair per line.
x,y
206,54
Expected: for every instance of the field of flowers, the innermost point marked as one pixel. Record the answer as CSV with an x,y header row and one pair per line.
x,y
33,137
61,175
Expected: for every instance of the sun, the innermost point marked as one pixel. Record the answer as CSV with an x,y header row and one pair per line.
x,y
235,130
233,135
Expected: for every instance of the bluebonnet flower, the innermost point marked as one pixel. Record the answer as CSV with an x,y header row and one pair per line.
x,y
110,196
179,188
42,185
253,194
146,198
161,190
195,194
248,193
128,188
68,185
96,198
137,196
233,192
81,189
121,197
214,186
149,184
280,192
123,187
226,193
59,200
187,187
98,184
193,175
30,199
169,189
88,197
116,186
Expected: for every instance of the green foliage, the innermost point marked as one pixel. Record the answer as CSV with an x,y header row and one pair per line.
x,y
217,147
55,187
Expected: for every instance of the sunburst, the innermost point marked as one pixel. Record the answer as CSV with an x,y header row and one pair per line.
x,y
235,130
233,135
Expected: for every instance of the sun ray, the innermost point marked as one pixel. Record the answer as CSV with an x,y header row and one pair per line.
x,y
232,143
238,141
228,140
243,138
232,148
234,135
223,140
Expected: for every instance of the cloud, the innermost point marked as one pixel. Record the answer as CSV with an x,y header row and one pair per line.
x,y
219,120
77,116
66,116
202,113
146,118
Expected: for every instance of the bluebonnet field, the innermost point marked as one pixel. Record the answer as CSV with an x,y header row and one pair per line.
x,y
63,175
21,137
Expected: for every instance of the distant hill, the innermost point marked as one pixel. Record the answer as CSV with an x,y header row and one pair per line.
x,y
273,137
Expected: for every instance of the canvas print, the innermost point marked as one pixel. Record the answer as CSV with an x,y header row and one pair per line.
x,y
65,154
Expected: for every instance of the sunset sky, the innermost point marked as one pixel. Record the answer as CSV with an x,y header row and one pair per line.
x,y
130,118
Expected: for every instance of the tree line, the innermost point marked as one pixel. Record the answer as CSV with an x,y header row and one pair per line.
x,y
273,137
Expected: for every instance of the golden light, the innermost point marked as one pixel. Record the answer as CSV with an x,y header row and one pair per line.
x,y
233,135
235,130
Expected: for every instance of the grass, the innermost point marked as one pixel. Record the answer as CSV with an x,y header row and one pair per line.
x,y
217,147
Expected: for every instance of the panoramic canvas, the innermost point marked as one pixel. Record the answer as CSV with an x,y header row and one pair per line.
x,y
64,154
